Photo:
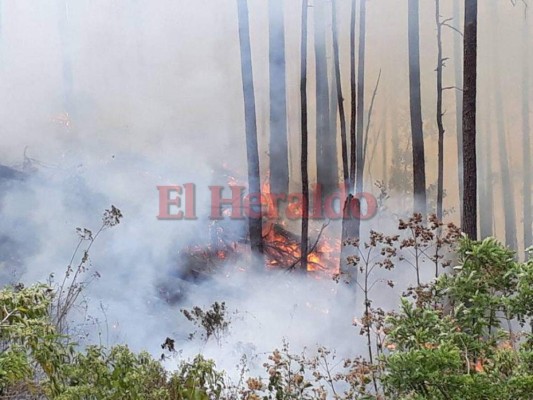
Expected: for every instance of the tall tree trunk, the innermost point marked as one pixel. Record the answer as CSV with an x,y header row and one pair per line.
x,y
360,158
458,101
333,104
353,96
499,113
419,163
252,152
67,77
326,144
305,134
486,198
361,97
469,120
278,147
526,132
505,173
340,104
1,26
350,226
395,139
385,143
333,112
440,124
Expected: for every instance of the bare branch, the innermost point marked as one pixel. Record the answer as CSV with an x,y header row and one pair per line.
x,y
453,28
452,87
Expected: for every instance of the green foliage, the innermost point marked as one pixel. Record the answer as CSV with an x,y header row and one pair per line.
x,y
520,302
197,380
123,375
120,374
30,348
467,335
116,374
454,345
36,362
214,322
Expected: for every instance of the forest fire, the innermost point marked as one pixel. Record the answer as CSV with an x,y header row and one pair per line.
x,y
281,246
281,251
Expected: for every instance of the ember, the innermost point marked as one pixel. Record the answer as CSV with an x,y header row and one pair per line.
x,y
281,245
282,250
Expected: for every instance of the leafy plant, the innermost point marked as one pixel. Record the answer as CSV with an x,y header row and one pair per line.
x,y
72,286
31,350
453,345
213,322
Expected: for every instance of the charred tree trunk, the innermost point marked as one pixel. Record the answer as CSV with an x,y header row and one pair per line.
x,y
419,163
278,147
526,143
458,101
252,151
353,97
326,152
440,124
340,103
304,150
350,226
469,120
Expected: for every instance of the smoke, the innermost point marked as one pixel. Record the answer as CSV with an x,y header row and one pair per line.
x,y
157,100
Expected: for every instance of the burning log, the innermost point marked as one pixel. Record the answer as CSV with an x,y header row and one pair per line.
x,y
282,250
227,250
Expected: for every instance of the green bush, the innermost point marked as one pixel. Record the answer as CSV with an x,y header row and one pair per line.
x,y
460,343
466,336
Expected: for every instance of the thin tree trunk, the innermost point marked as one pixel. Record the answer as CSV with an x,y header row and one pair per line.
x,y
67,77
333,107
304,149
385,144
458,101
349,225
333,113
340,103
507,183
486,199
361,97
469,120
526,144
326,144
499,111
440,124
369,119
353,97
252,152
278,146
419,163
395,139
360,159
1,27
